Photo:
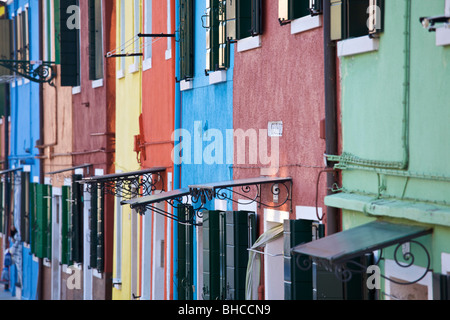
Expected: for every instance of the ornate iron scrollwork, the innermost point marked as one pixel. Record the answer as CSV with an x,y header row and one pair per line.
x,y
345,270
36,71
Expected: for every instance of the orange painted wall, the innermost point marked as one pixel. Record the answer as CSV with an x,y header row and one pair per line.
x,y
158,105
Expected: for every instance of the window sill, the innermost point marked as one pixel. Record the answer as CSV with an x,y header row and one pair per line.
x,y
120,74
147,64
358,45
97,83
217,77
442,36
76,90
133,68
168,54
306,23
186,85
249,43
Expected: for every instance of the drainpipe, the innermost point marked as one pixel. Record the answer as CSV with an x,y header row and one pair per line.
x,y
6,164
330,110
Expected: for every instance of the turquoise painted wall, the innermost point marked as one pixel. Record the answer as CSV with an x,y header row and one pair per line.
x,y
385,122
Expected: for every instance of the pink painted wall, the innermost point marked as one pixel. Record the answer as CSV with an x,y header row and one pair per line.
x,y
283,80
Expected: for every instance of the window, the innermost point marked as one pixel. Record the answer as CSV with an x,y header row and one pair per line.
x,y
356,18
65,225
136,29
97,229
217,48
226,239
95,40
289,10
186,39
185,259
6,43
25,207
76,221
244,18
70,43
147,30
41,218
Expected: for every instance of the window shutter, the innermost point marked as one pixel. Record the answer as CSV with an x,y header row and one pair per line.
x,y
95,40
65,226
240,234
211,255
100,229
25,207
298,9
186,39
42,223
93,227
256,26
224,50
92,67
185,273
77,221
33,218
336,10
355,17
25,35
7,46
48,225
2,206
69,40
56,15
298,284
232,19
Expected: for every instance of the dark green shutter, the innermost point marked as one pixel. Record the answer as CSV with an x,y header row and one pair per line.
x,y
211,255
186,39
33,218
77,220
298,9
441,286
100,230
57,19
257,24
70,50
65,225
95,40
25,207
355,15
244,18
6,48
43,222
92,67
185,274
298,284
240,234
2,206
93,227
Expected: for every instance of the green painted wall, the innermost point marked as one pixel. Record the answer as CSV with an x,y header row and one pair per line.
x,y
386,122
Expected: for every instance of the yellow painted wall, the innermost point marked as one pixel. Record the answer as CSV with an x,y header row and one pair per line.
x,y
128,109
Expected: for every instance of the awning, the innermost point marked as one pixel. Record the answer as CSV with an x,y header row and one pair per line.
x,y
336,250
224,189
355,242
127,184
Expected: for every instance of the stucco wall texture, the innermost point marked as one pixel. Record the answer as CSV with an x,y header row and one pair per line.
x,y
291,90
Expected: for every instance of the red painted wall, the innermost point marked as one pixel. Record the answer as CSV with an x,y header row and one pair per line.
x,y
94,115
283,80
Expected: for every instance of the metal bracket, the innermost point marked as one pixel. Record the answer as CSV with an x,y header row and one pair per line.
x,y
35,71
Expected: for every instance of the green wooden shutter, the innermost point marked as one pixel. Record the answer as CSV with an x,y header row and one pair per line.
x,y
2,207
100,230
257,24
33,218
186,39
56,8
243,18
211,255
65,225
224,48
43,225
298,284
7,46
77,220
92,67
298,9
185,274
69,53
25,207
240,234
93,227
48,225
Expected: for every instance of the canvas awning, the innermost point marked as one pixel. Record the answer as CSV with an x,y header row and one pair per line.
x,y
343,246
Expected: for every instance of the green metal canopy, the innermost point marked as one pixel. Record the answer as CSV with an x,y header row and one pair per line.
x,y
343,246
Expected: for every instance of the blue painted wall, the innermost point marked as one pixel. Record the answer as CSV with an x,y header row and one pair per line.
x,y
25,132
199,109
